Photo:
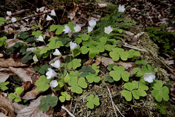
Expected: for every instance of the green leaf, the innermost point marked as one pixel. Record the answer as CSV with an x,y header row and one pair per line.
x,y
37,33
139,62
92,101
138,71
3,85
125,75
23,35
127,95
157,85
115,75
93,78
35,58
141,92
59,29
42,83
67,78
17,99
12,96
135,94
129,86
157,95
108,78
84,50
165,93
143,86
2,20
76,89
19,90
68,97
48,101
62,99
82,83
118,52
86,70
75,63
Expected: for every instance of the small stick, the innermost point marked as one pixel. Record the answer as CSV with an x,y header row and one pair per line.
x,y
67,111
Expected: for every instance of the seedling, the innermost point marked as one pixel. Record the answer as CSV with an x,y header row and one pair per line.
x,y
16,96
64,97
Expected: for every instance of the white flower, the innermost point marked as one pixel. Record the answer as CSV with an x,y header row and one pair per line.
x,y
40,38
13,19
72,45
54,83
108,29
9,13
77,28
56,64
90,29
57,52
53,13
50,73
92,23
149,77
67,29
121,8
48,18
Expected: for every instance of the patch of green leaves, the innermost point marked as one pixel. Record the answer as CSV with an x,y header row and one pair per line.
x,y
132,53
58,28
92,101
42,69
86,70
93,78
42,83
145,69
82,37
118,53
161,107
3,86
16,96
36,26
2,39
23,35
118,73
37,33
2,20
159,91
135,89
48,101
64,97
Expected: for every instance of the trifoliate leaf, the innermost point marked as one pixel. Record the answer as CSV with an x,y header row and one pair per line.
x,y
42,83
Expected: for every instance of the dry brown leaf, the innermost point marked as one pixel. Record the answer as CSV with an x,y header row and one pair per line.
x,y
6,106
169,62
106,61
3,77
89,62
2,115
33,111
126,65
72,13
10,63
22,74
31,94
18,106
97,60
102,5
12,42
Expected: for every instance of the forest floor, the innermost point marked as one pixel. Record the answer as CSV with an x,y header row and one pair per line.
x,y
24,66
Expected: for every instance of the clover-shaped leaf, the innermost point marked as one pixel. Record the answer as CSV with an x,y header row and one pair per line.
x,y
42,83
160,92
84,50
23,35
108,78
16,96
58,28
119,73
118,53
93,78
75,63
77,84
37,33
54,44
81,37
48,101
86,70
2,20
64,96
3,85
133,53
134,89
139,62
92,101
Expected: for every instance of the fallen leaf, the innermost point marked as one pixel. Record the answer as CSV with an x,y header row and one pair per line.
x,y
89,62
106,61
72,13
22,74
6,106
18,106
102,5
2,115
33,111
97,60
126,65
3,77
10,63
31,94
12,42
